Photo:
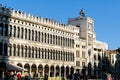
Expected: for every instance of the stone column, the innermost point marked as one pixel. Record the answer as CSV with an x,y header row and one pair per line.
x,y
24,52
30,69
54,71
16,32
49,72
43,72
16,50
12,31
20,33
8,50
64,72
40,54
37,53
36,68
41,37
34,36
60,72
27,37
20,51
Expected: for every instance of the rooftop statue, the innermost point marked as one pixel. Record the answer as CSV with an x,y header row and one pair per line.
x,y
82,13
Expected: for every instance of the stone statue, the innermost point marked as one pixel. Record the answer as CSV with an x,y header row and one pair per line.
x,y
82,13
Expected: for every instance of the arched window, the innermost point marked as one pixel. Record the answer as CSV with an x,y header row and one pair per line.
x,y
42,53
53,39
45,38
66,56
45,54
32,52
56,55
68,42
95,57
99,57
18,50
29,33
51,54
14,35
48,54
72,43
32,35
18,34
6,30
36,36
5,49
29,52
56,40
42,37
1,28
1,48
61,41
48,38
10,52
22,31
14,51
10,34
25,34
36,52
39,36
25,51
61,54
22,51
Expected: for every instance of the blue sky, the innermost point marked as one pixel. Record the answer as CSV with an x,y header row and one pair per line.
x,y
106,14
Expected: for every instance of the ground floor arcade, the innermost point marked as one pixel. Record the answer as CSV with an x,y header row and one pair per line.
x,y
51,70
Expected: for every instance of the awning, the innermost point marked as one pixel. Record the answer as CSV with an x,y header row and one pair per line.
x,y
13,67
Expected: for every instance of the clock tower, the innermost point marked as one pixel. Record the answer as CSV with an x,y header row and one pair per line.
x,y
86,32
85,24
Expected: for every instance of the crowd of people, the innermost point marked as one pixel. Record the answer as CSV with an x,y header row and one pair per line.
x,y
76,76
10,75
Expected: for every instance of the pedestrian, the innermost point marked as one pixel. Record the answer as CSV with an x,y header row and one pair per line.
x,y
19,75
15,77
46,77
73,76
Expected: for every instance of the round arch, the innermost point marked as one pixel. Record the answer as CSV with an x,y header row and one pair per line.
x,y
52,71
46,69
57,70
27,66
67,70
89,68
33,68
19,64
40,69
62,70
71,70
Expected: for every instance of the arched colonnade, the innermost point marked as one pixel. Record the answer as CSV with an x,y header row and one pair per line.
x,y
51,70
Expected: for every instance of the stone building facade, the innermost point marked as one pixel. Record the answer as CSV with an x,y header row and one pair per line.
x,y
41,45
